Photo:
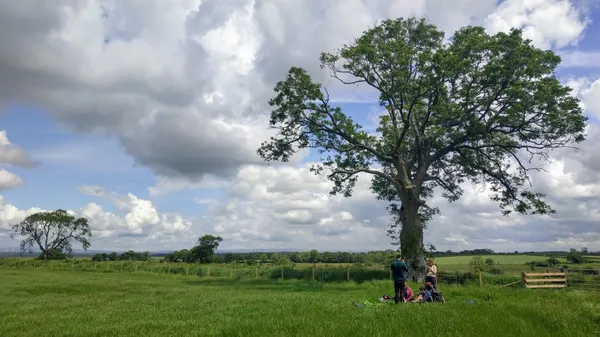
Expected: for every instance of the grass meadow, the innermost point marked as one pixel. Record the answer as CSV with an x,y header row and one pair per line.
x,y
42,302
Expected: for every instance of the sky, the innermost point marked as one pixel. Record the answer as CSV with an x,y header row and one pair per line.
x,y
145,117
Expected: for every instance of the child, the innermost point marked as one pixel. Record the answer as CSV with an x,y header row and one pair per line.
x,y
431,272
409,294
423,296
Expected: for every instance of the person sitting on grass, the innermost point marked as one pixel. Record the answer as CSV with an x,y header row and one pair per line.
x,y
408,296
423,296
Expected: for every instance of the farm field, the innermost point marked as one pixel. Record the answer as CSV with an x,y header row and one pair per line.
x,y
498,259
70,303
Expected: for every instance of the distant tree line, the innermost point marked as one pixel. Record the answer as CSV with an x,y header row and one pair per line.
x,y
127,256
202,252
314,256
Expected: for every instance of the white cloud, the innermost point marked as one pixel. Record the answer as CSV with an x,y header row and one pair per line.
x,y
548,23
590,97
9,180
137,220
13,156
182,86
269,208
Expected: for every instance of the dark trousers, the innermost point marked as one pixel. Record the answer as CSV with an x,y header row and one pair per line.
x,y
399,291
431,279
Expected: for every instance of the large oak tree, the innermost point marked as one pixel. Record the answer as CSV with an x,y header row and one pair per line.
x,y
52,233
478,108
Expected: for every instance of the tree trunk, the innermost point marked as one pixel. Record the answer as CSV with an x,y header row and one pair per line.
x,y
411,238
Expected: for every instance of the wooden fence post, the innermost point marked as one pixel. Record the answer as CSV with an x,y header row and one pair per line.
x,y
256,271
523,279
282,273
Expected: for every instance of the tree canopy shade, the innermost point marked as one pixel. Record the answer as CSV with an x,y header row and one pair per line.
x,y
52,232
480,108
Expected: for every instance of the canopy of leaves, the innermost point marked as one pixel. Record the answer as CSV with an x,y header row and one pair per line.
x,y
574,256
205,248
480,108
52,232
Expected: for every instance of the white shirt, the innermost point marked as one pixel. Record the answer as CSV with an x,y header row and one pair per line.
x,y
431,271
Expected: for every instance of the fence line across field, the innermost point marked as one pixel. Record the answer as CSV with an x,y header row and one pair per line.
x,y
161,268
579,278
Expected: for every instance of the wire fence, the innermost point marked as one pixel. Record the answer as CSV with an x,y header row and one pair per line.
x,y
576,278
583,278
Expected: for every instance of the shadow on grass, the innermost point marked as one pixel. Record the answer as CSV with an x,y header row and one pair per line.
x,y
273,285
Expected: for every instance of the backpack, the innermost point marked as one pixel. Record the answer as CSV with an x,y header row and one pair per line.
x,y
437,295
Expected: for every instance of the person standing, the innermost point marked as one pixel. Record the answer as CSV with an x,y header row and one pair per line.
x,y
399,270
431,272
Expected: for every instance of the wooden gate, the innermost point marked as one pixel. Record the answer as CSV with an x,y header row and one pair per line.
x,y
544,280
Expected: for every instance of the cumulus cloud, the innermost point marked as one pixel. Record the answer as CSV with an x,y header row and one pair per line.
x,y
9,180
136,222
281,206
548,23
291,207
183,87
14,156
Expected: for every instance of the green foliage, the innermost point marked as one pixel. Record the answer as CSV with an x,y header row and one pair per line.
x,y
183,255
489,262
52,232
280,260
575,257
127,256
495,270
553,262
53,254
205,248
468,110
477,263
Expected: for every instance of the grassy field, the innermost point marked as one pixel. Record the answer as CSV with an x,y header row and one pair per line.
x,y
498,259
70,303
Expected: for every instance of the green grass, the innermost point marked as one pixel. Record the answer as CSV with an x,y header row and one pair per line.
x,y
36,302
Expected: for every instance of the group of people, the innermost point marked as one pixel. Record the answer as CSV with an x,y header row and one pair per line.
x,y
403,293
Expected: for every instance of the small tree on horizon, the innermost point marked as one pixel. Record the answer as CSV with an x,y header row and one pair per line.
x,y
205,248
53,233
476,109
